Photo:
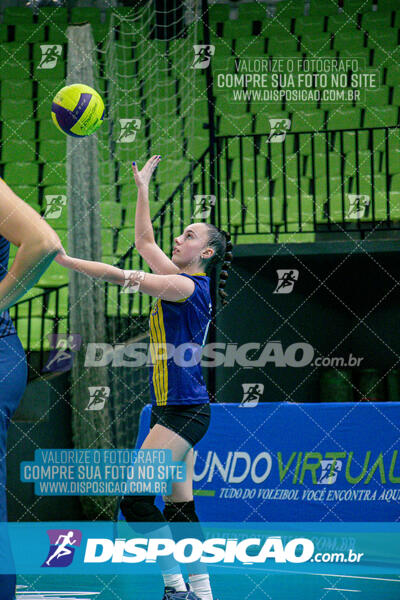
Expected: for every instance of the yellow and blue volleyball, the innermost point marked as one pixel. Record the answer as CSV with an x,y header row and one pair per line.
x,y
77,110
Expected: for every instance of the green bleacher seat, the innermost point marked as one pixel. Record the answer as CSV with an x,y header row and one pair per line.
x,y
17,14
82,14
57,34
54,174
56,73
349,39
261,238
309,25
13,151
379,97
381,116
284,46
48,131
224,46
3,34
13,52
20,172
253,11
364,162
236,125
16,109
316,43
237,29
111,214
358,6
15,69
371,21
29,34
389,38
49,15
323,7
393,76
363,55
107,193
218,13
18,90
307,121
345,118
52,150
385,59
340,22
28,193
20,130
250,47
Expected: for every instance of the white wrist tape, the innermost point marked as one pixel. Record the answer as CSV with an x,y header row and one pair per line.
x,y
132,281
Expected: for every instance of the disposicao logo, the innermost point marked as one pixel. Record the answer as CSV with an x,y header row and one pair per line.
x,y
63,543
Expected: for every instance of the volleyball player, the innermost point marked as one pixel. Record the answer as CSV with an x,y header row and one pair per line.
x,y
37,245
180,412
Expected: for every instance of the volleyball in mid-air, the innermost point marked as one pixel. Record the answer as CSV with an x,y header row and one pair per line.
x,y
77,110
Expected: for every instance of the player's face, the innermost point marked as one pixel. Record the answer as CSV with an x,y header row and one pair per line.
x,y
189,244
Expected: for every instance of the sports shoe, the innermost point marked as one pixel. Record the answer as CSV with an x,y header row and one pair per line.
x,y
171,594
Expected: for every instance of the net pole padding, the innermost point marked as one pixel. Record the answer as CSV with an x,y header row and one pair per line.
x,y
91,428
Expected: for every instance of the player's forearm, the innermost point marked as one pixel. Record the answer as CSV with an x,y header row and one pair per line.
x,y
31,261
95,269
143,226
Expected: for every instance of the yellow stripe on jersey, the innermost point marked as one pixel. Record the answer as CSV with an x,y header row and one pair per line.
x,y
153,342
160,371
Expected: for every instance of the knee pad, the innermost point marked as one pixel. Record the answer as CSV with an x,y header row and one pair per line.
x,y
183,512
180,512
141,509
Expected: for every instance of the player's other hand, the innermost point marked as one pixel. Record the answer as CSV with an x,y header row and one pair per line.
x,y
142,178
63,259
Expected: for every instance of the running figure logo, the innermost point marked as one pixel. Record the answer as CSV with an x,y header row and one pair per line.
x,y
50,54
279,127
358,204
61,354
252,393
286,280
98,397
203,206
129,128
63,543
54,206
202,56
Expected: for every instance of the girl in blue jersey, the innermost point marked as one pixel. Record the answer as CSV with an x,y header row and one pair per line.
x,y
37,245
180,315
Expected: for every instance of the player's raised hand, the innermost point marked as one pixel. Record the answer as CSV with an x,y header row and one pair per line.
x,y
142,178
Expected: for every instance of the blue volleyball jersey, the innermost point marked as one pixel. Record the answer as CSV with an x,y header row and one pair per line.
x,y
175,373
6,325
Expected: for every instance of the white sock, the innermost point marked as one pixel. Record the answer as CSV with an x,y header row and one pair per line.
x,y
174,580
200,584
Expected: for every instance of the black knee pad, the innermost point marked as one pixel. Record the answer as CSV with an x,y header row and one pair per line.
x,y
141,509
180,512
183,512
